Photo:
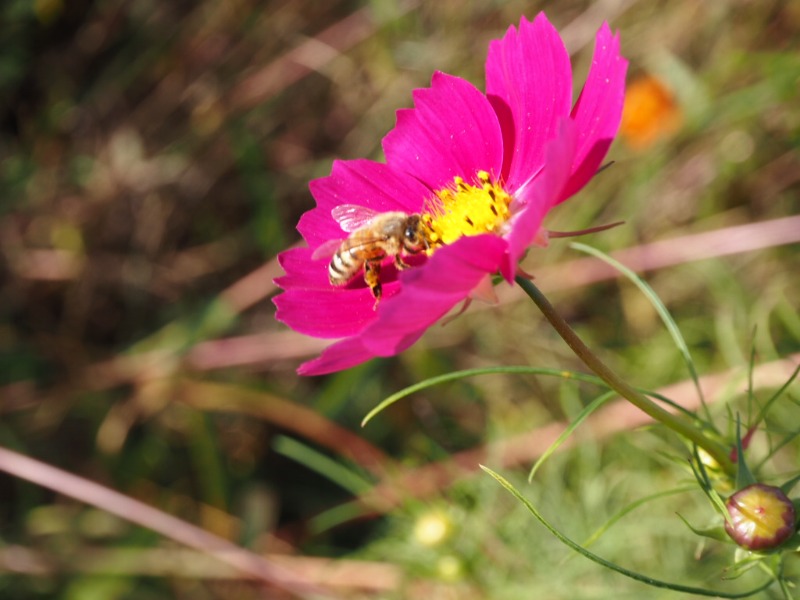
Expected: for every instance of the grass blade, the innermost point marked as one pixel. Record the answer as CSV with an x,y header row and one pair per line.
x,y
322,464
588,410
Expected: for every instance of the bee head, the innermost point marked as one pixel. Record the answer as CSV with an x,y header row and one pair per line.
x,y
414,239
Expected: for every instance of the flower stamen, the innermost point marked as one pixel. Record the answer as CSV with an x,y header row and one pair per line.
x,y
463,208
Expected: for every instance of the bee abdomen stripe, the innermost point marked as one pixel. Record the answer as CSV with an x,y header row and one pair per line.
x,y
340,264
340,270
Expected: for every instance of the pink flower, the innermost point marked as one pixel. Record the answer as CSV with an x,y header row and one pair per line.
x,y
482,169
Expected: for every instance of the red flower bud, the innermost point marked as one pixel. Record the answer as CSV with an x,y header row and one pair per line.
x,y
761,517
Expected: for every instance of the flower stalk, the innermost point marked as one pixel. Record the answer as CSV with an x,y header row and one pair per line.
x,y
676,423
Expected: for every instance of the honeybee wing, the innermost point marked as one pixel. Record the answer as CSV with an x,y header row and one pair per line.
x,y
352,216
326,249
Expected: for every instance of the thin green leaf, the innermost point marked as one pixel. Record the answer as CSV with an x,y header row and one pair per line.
x,y
677,407
598,533
699,470
751,368
700,473
588,410
662,311
614,567
335,516
775,448
787,487
456,375
322,464
793,543
744,476
204,449
787,592
762,414
744,565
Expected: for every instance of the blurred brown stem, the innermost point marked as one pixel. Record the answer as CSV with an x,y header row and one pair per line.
x,y
137,512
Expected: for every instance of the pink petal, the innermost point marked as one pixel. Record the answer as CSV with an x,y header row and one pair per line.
x,y
540,194
301,271
324,314
431,291
312,306
363,182
337,357
529,82
452,130
599,109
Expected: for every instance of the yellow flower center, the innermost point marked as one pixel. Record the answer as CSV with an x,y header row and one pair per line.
x,y
762,514
466,209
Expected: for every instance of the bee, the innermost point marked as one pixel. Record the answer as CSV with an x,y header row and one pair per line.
x,y
374,236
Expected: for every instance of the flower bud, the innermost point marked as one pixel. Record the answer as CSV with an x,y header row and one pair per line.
x,y
761,517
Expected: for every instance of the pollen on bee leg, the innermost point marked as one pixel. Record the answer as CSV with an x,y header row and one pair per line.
x,y
372,276
400,263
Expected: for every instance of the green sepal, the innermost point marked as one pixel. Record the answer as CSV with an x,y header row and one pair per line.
x,y
714,532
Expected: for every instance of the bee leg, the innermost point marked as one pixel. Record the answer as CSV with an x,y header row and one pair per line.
x,y
400,263
372,275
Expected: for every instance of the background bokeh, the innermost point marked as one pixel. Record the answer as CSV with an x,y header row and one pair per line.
x,y
154,159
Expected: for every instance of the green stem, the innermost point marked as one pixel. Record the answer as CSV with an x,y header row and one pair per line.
x,y
677,423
